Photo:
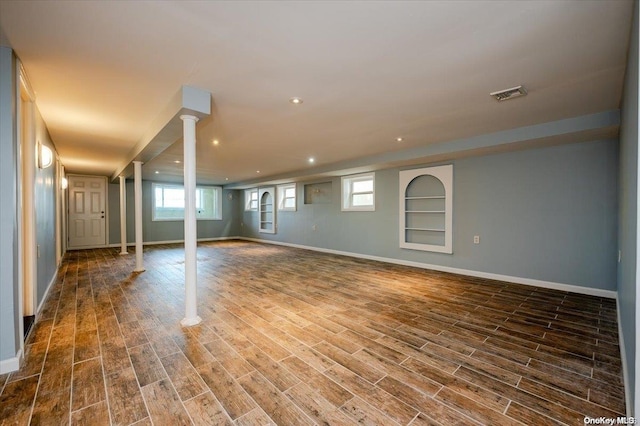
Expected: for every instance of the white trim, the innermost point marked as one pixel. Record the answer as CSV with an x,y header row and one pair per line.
x,y
11,364
346,185
445,175
610,294
623,359
46,292
155,243
281,191
264,209
247,200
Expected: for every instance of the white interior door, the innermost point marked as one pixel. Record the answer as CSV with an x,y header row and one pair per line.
x,y
87,211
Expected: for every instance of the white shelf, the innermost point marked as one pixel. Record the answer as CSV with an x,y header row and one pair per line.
x,y
425,212
266,212
432,197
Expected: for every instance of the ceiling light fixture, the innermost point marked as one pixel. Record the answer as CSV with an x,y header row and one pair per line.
x,y
177,161
312,160
399,139
257,171
506,94
216,142
295,101
157,172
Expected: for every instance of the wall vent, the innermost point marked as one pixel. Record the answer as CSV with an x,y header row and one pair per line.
x,y
504,95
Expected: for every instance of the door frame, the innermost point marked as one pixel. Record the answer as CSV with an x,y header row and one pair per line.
x,y
26,150
106,211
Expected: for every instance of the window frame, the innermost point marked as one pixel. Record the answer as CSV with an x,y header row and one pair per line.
x,y
282,191
248,200
217,201
347,183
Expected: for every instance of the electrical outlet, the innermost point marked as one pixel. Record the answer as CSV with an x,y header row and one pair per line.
x,y
314,227
476,239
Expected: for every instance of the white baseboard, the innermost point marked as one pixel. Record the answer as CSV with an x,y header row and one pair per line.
x,y
11,364
610,294
152,243
623,359
46,292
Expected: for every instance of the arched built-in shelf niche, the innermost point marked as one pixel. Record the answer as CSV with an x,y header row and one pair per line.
x,y
426,209
266,210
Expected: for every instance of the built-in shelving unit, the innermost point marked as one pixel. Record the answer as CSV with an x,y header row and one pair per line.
x,y
426,209
266,210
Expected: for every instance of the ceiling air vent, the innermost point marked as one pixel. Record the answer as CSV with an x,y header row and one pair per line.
x,y
504,95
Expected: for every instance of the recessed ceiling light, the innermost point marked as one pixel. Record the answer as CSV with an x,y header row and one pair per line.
x,y
216,142
399,139
295,101
312,160
157,172
226,178
257,171
177,161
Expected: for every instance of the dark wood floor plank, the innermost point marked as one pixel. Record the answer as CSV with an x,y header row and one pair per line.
x,y
204,409
350,362
94,415
232,397
184,377
34,361
273,402
52,408
257,416
146,364
125,398
164,404
373,395
88,384
327,388
278,375
16,401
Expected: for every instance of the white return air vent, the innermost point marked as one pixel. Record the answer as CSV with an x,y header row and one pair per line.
x,y
505,95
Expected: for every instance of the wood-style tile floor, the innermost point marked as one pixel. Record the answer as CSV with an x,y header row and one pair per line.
x,y
294,337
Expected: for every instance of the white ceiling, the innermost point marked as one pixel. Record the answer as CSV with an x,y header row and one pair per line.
x,y
367,72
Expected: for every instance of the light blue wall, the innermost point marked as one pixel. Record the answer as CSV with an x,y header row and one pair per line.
x,y
45,205
229,226
628,210
45,211
548,214
9,335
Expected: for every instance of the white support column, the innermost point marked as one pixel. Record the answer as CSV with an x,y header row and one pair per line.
x,y
190,234
123,216
137,192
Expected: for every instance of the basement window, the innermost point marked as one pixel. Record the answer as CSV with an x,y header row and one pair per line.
x,y
169,202
251,199
358,192
287,197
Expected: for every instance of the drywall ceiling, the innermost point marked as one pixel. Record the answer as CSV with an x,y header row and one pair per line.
x,y
368,72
